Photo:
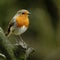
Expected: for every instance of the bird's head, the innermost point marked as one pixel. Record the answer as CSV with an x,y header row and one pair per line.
x,y
23,12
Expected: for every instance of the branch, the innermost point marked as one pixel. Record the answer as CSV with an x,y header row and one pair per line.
x,y
13,52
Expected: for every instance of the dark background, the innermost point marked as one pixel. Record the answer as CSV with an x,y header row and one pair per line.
x,y
44,30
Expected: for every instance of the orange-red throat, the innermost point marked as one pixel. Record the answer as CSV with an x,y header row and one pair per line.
x,y
22,20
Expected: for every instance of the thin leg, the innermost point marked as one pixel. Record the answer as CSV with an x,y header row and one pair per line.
x,y
17,39
20,38
21,42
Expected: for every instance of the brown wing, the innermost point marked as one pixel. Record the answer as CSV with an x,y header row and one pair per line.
x,y
9,26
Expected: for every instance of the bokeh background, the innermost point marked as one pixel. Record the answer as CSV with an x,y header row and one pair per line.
x,y
44,30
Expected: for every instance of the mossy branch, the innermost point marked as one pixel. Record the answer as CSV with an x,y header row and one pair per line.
x,y
10,51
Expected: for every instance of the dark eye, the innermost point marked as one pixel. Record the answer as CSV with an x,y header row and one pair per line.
x,y
23,13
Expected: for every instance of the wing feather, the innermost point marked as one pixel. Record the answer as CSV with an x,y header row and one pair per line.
x,y
9,27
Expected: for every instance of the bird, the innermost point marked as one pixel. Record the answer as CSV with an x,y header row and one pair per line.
x,y
19,23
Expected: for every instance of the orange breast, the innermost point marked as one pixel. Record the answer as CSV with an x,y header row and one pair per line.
x,y
22,20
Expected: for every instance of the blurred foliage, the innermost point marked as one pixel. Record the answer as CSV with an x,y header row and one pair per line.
x,y
44,30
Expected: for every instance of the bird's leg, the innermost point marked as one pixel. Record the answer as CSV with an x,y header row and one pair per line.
x,y
21,38
21,42
17,40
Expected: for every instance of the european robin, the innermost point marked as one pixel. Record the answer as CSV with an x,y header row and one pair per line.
x,y
19,23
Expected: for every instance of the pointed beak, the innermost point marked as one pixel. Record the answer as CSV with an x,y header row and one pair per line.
x,y
29,13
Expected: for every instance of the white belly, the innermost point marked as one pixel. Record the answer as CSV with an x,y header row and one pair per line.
x,y
19,31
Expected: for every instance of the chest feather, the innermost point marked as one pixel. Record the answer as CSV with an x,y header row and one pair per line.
x,y
22,20
19,31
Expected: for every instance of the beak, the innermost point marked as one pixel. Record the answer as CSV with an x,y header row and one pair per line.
x,y
29,13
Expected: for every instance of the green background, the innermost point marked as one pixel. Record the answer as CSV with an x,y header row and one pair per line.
x,y
44,30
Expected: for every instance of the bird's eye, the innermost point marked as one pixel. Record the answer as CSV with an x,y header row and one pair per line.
x,y
23,13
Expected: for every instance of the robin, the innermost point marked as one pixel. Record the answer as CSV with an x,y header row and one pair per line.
x,y
19,23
